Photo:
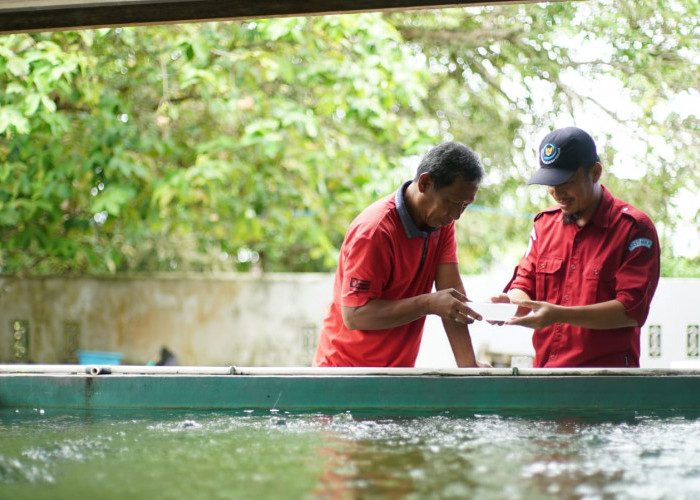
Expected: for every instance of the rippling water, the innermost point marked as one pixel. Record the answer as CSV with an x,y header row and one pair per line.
x,y
254,455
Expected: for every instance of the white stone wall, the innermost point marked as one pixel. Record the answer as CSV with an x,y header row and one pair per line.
x,y
238,319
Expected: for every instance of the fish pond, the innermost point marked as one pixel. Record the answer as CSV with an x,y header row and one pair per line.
x,y
148,454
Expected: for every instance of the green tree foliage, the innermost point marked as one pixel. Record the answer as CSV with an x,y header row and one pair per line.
x,y
199,147
505,75
212,146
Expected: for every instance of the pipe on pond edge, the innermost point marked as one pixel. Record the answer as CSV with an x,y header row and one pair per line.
x,y
98,370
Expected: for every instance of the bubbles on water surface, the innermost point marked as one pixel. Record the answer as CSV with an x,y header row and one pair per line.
x,y
439,456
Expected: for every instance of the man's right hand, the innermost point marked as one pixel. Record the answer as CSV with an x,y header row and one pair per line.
x,y
450,304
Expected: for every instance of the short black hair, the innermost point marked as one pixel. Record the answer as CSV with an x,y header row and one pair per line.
x,y
449,160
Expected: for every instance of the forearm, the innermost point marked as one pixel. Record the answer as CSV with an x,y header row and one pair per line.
x,y
602,316
461,343
448,277
379,314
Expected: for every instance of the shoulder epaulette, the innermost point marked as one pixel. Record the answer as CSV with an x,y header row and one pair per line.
x,y
547,211
633,213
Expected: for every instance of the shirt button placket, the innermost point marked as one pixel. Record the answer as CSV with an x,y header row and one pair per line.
x,y
571,282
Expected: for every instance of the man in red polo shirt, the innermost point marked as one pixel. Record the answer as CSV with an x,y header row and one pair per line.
x,y
392,255
591,266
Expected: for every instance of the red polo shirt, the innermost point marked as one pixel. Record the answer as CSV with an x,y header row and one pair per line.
x,y
614,256
384,256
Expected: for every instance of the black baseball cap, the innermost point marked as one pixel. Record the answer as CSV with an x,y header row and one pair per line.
x,y
561,153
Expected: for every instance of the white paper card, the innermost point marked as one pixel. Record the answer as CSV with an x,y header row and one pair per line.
x,y
493,311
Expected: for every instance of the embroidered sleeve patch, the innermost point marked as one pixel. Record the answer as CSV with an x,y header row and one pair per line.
x,y
358,285
639,242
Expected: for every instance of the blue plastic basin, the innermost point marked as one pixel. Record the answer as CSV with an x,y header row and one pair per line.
x,y
99,358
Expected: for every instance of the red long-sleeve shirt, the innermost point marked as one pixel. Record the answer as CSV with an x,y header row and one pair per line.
x,y
615,256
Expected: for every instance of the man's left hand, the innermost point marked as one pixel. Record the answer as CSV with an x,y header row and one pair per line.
x,y
543,314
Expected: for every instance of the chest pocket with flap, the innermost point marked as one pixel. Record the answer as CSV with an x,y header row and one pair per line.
x,y
548,279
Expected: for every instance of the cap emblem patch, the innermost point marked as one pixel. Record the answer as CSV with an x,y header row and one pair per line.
x,y
549,153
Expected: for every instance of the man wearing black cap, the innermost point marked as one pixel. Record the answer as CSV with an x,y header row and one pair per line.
x,y
591,266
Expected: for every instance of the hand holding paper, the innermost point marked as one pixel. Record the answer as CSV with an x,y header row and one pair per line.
x,y
492,311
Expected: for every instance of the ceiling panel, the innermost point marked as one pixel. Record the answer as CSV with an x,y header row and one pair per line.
x,y
17,16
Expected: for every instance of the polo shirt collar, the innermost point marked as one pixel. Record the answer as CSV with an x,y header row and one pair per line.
x,y
409,226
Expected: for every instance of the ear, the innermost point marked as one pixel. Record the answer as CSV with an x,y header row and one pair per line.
x,y
424,182
596,172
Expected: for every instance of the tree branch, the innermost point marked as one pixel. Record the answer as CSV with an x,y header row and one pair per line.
x,y
460,36
479,69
